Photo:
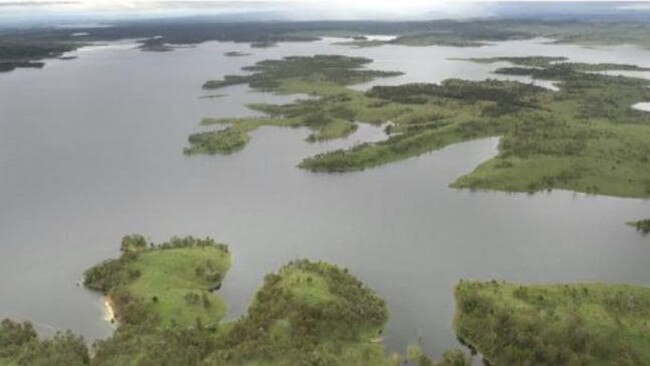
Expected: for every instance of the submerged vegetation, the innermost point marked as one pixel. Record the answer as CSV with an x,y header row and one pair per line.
x,y
581,324
641,225
584,137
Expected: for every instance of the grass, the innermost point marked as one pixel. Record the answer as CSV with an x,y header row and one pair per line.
x,y
591,324
170,275
172,282
333,129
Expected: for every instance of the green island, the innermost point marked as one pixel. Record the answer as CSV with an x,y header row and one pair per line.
x,y
570,324
315,313
236,54
155,44
641,225
167,314
584,137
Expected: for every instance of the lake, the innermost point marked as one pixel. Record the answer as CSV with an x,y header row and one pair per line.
x,y
91,150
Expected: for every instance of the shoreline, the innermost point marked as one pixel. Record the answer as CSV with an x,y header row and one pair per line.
x,y
109,310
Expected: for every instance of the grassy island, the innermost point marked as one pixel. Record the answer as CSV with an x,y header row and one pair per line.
x,y
167,314
584,137
641,225
317,313
167,283
581,324
223,141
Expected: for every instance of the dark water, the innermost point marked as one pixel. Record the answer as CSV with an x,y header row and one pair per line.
x,y
90,150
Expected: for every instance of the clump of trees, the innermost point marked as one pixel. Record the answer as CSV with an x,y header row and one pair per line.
x,y
20,345
280,324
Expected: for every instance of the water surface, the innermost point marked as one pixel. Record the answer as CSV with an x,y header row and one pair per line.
x,y
91,149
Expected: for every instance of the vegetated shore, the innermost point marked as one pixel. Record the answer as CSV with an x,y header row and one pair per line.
x,y
564,324
318,313
162,295
585,137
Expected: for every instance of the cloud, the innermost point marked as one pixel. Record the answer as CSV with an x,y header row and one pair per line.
x,y
37,3
635,7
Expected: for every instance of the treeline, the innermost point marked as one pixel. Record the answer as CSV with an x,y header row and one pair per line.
x,y
20,345
26,52
501,92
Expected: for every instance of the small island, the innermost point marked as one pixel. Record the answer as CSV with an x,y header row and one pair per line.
x,y
263,44
641,225
236,54
155,44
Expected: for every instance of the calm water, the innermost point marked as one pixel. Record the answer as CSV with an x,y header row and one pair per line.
x,y
90,150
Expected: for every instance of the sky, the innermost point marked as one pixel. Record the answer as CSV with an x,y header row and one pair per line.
x,y
40,10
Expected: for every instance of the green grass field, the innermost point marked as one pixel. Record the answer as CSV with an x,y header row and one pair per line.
x,y
577,324
172,282
170,275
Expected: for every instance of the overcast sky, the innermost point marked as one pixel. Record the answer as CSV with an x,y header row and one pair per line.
x,y
290,9
155,4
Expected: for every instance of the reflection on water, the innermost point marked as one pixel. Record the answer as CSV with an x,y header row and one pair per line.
x,y
91,149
